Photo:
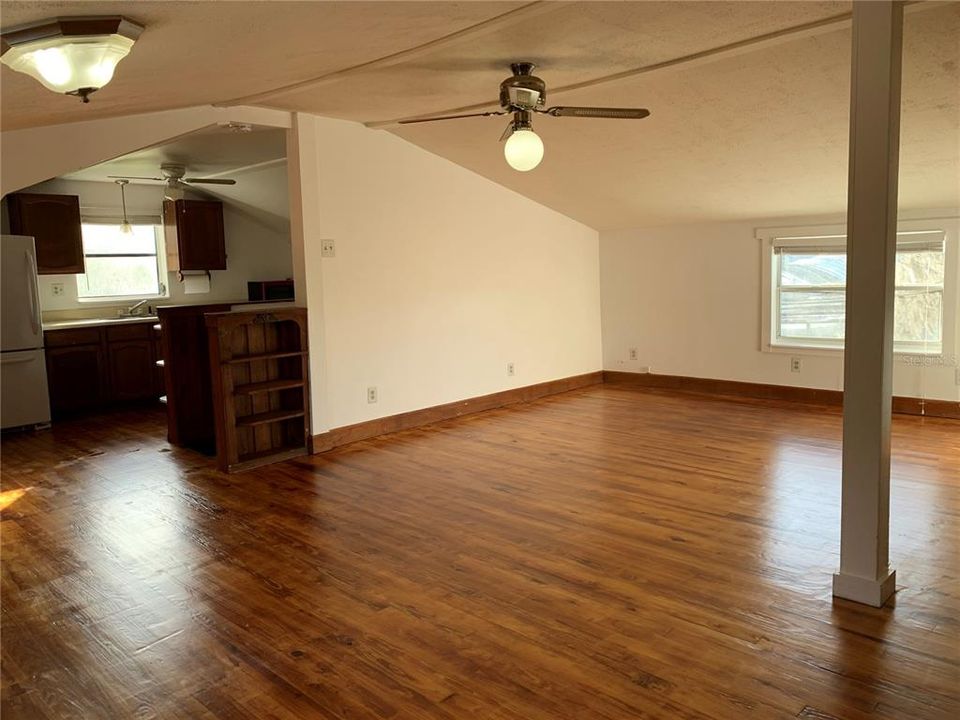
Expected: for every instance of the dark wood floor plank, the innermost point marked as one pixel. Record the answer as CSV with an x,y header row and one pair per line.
x,y
608,553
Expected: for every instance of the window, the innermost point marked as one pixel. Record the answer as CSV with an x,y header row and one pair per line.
x,y
805,290
120,265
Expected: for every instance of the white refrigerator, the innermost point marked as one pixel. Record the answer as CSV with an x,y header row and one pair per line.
x,y
24,400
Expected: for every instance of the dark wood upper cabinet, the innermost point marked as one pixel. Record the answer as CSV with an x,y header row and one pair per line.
x,y
54,222
194,235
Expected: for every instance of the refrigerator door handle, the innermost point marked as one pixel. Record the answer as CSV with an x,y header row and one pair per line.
x,y
8,359
34,293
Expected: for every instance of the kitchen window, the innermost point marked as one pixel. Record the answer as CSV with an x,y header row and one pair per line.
x,y
121,265
805,289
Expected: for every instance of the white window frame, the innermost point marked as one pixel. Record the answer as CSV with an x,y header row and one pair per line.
x,y
805,236
157,222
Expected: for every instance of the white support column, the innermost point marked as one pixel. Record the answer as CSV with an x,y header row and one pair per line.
x,y
865,575
306,223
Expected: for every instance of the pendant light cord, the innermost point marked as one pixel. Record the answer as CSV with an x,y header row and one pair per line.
x,y
123,201
125,227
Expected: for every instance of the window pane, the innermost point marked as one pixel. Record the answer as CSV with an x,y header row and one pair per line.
x,y
918,316
812,314
813,269
101,239
923,268
810,311
119,276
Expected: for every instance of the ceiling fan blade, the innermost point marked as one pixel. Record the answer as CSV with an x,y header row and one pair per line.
x,y
210,181
507,132
453,117
132,177
598,112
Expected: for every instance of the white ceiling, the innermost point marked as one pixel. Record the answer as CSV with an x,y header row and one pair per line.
x,y
211,152
756,130
256,160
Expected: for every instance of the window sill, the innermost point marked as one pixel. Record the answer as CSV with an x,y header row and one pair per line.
x,y
119,299
833,351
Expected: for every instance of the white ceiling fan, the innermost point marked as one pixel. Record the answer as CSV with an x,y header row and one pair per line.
x,y
172,175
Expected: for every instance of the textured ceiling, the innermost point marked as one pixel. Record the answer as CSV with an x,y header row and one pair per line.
x,y
758,130
761,134
197,53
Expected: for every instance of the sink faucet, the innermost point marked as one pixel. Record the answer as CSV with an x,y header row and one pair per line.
x,y
132,310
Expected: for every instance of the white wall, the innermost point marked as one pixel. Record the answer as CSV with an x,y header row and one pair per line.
x,y
440,279
255,251
689,299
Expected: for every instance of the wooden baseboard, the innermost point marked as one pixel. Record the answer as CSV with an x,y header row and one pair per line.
x,y
417,418
903,405
928,407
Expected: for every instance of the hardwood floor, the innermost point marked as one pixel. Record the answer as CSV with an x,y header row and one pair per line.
x,y
607,553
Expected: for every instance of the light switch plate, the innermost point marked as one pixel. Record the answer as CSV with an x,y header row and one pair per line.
x,y
328,248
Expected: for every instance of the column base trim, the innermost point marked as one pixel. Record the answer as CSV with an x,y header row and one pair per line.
x,y
864,590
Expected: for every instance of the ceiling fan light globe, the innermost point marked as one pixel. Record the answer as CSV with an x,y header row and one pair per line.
x,y
70,65
523,150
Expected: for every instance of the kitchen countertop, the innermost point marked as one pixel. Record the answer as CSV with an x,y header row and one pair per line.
x,y
92,322
234,305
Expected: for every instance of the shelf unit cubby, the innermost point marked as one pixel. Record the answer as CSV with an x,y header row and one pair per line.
x,y
259,366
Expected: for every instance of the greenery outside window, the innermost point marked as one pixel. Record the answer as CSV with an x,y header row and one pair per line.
x,y
121,265
804,298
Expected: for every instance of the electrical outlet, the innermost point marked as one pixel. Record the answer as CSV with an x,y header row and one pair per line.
x,y
328,248
371,394
634,354
511,370
795,364
56,289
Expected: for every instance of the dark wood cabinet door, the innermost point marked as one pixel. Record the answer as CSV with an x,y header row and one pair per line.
x,y
200,235
54,222
76,378
132,370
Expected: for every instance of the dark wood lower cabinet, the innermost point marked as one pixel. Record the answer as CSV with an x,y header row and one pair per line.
x,y
133,373
92,368
186,357
76,377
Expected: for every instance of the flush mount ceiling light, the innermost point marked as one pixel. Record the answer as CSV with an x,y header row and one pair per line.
x,y
70,55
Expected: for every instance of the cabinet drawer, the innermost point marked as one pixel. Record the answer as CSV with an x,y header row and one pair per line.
x,y
72,336
133,331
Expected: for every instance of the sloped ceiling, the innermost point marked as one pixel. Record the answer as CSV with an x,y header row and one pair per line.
x,y
255,159
758,129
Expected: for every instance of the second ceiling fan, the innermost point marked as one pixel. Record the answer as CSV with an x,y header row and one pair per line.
x,y
172,175
524,94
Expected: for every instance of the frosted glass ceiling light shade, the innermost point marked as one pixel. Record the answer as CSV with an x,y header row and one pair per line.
x,y
523,149
74,56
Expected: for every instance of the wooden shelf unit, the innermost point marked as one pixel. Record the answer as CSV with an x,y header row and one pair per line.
x,y
261,394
